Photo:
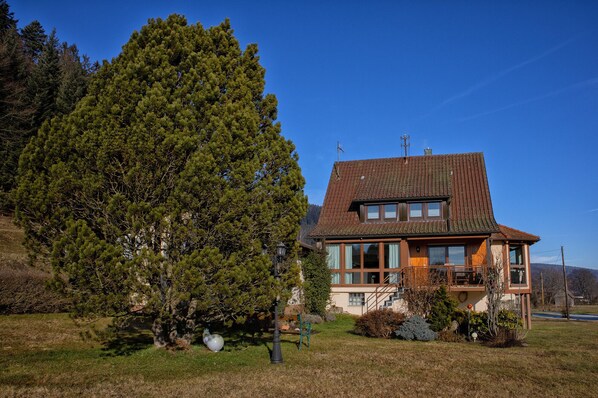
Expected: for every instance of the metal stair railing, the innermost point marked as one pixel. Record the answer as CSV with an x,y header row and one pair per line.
x,y
384,290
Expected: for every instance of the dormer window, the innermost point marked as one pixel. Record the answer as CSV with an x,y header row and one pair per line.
x,y
416,210
390,211
424,211
373,212
433,209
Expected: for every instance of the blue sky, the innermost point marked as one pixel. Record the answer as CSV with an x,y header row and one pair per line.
x,y
515,80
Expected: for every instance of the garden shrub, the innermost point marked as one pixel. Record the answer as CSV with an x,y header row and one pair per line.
x,y
478,322
442,310
450,336
507,337
379,323
416,328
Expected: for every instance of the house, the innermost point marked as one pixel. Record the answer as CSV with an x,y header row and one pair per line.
x,y
410,222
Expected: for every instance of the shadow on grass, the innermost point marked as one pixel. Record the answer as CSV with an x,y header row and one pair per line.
x,y
123,341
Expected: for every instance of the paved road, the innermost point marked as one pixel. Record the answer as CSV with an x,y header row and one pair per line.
x,y
558,315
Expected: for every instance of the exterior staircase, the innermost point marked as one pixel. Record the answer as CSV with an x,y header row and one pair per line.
x,y
395,296
385,295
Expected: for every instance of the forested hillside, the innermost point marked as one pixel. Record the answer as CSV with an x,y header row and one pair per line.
x,y
40,77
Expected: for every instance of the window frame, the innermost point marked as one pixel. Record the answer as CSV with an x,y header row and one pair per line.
x,y
396,205
425,216
447,255
367,212
366,276
356,296
516,267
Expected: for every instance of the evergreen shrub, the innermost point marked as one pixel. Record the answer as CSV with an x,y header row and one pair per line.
x,y
442,311
416,328
316,288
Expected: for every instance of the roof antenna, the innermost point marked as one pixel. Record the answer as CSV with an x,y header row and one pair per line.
x,y
405,144
339,149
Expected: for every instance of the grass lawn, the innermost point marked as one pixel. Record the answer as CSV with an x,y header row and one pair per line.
x,y
44,355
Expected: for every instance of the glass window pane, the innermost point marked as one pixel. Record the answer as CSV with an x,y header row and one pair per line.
x,y
356,299
335,278
390,211
370,255
437,255
391,255
373,212
334,256
516,255
393,277
355,260
372,278
456,255
352,278
434,209
518,276
415,210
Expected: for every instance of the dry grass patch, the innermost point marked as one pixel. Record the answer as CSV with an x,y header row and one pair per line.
x,y
561,360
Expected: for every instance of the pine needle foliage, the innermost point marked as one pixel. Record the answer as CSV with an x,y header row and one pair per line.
x,y
157,194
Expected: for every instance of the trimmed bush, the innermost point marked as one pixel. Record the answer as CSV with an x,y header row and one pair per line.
x,y
416,328
379,323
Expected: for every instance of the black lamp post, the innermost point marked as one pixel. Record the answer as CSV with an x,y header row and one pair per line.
x,y
276,357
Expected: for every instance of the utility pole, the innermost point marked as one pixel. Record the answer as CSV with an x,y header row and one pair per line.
x,y
542,289
565,281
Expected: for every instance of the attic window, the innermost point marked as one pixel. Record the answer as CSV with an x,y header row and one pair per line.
x,y
416,210
373,212
390,211
424,211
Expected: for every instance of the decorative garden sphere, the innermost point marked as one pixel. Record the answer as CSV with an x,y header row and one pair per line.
x,y
215,343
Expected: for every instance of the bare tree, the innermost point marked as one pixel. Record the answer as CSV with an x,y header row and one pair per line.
x,y
584,283
495,289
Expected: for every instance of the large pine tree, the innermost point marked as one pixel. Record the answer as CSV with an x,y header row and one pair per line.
x,y
157,194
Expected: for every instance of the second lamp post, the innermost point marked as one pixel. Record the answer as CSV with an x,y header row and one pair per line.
x,y
281,251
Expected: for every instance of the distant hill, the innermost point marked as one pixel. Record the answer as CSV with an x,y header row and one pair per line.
x,y
537,268
309,222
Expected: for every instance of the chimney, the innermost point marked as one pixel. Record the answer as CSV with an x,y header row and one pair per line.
x,y
427,151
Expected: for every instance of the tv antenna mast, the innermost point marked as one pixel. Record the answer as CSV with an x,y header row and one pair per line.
x,y
405,145
339,149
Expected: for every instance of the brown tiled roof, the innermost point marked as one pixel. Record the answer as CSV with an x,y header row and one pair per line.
x,y
507,233
460,178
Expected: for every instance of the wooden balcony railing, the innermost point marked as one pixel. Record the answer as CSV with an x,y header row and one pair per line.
x,y
450,275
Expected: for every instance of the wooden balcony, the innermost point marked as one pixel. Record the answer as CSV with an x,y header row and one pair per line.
x,y
455,277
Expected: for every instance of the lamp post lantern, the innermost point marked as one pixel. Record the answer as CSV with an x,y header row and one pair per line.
x,y
276,357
